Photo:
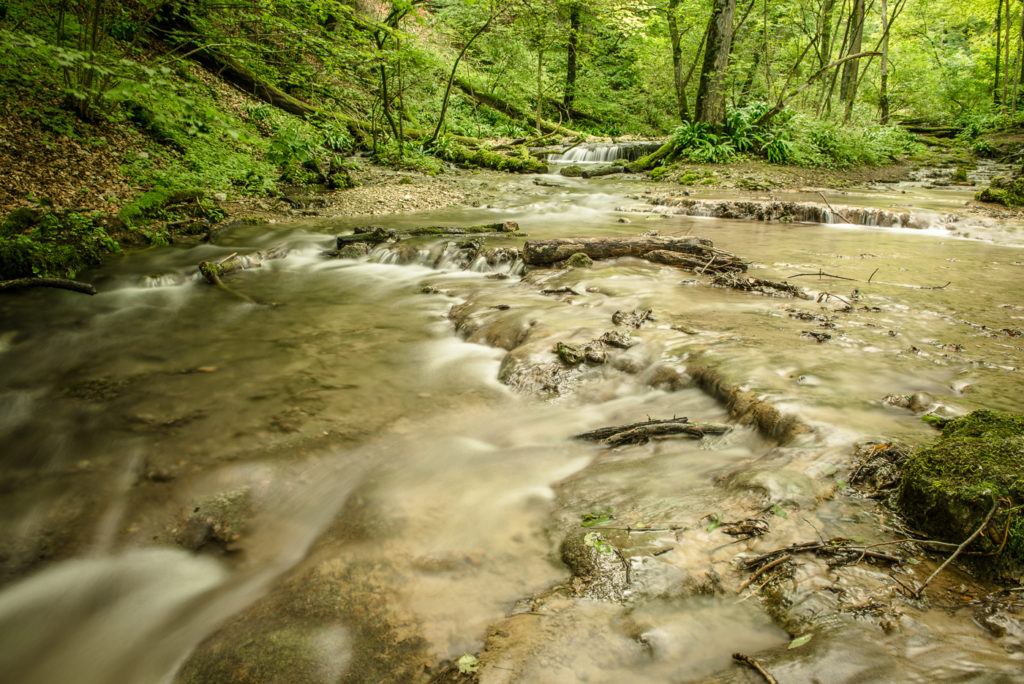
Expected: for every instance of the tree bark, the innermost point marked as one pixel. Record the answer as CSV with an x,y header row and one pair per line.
x,y
547,252
825,31
677,61
999,37
883,96
711,91
856,32
572,50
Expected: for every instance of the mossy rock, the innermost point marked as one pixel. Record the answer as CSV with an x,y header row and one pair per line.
x,y
579,260
520,162
1003,191
286,653
572,171
338,177
221,519
949,486
960,175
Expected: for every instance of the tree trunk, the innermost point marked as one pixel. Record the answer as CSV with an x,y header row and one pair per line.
x,y
540,87
494,102
677,61
856,31
999,49
711,91
575,25
1006,52
825,31
883,96
451,78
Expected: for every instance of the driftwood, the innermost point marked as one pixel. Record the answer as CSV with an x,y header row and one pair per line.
x,y
60,283
213,270
695,252
641,433
746,407
754,665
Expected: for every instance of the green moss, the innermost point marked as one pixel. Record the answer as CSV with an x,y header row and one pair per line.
x,y
579,260
960,175
689,178
518,162
949,486
55,244
572,171
1003,191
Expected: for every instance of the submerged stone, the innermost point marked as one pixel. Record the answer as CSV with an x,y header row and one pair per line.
x,y
949,486
579,260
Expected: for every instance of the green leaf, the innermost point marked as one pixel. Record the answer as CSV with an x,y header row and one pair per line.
x,y
468,664
777,510
592,518
800,641
716,522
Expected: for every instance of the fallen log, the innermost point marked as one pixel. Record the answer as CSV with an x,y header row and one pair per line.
x,y
702,251
496,103
59,283
641,433
213,270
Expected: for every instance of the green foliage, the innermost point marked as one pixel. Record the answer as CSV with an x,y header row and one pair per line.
x,y
34,243
597,518
596,541
468,663
1005,191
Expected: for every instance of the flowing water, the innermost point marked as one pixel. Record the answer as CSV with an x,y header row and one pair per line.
x,y
369,500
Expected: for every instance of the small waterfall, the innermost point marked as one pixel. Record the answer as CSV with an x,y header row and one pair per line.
x,y
603,153
804,212
452,256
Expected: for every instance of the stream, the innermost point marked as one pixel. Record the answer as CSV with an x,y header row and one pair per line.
x,y
341,487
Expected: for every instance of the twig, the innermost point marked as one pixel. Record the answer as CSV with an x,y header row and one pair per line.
x,y
872,275
753,664
750,580
833,209
995,505
822,274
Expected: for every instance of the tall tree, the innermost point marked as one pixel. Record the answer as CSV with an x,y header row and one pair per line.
x,y
883,90
677,60
999,49
847,86
572,53
711,91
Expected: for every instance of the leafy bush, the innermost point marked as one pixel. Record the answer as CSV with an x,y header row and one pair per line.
x,y
52,244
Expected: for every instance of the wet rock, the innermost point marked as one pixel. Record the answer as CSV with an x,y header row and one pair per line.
x,y
613,338
597,570
219,519
579,260
632,319
572,171
356,251
570,354
818,337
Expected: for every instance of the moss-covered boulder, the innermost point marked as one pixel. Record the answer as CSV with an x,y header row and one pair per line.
x,y
572,171
949,486
579,260
519,161
1002,190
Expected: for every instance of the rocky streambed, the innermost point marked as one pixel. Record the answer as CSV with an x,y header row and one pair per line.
x,y
381,476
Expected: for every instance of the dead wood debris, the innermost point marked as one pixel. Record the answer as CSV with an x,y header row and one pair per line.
x,y
641,433
770,288
754,665
880,469
839,550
